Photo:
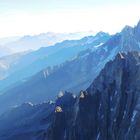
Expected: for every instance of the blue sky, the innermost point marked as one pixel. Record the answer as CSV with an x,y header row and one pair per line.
x,y
21,17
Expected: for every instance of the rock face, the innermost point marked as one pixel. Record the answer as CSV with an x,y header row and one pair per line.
x,y
108,110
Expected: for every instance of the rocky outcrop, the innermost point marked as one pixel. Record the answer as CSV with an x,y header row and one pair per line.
x,y
108,110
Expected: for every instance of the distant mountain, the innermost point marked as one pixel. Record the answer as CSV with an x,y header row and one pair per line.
x,y
35,61
7,62
34,42
80,71
86,65
108,110
6,40
6,50
73,75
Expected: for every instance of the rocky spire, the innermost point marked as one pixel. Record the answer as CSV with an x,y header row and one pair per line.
x,y
138,25
127,29
137,30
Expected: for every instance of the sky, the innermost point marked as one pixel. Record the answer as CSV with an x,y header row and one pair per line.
x,y
29,17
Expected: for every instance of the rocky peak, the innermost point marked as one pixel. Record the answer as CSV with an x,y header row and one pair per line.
x,y
138,25
66,100
127,32
127,29
137,30
129,39
108,109
101,33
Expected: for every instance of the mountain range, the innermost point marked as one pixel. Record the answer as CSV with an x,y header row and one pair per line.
x,y
85,89
107,110
10,45
33,62
80,61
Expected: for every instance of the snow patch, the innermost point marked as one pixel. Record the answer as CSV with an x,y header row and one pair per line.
x,y
98,45
74,96
134,115
86,54
82,95
124,114
61,94
51,102
45,73
98,136
121,56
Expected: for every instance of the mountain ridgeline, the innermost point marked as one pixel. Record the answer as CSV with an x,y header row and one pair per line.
x,y
109,109
78,61
27,65
56,59
87,89
17,44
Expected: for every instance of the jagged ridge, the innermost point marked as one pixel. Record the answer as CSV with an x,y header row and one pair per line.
x,y
108,110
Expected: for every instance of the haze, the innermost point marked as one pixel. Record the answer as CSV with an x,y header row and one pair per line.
x,y
29,17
